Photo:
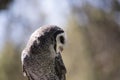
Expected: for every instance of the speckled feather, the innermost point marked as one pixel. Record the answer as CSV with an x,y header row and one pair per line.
x,y
39,58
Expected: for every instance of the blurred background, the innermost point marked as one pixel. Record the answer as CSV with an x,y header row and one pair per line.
x,y
92,28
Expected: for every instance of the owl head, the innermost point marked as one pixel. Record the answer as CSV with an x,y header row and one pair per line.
x,y
48,37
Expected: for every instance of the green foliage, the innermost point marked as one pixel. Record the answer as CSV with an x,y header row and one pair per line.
x,y
10,67
77,53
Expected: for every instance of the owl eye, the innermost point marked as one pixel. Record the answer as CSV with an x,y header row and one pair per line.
x,y
62,40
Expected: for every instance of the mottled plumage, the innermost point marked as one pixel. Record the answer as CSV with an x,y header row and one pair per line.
x,y
41,58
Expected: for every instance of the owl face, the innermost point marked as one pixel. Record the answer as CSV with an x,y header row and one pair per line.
x,y
60,42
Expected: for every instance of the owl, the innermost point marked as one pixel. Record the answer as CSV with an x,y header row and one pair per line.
x,y
41,58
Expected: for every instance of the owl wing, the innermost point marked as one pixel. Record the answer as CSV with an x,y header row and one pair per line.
x,y
23,69
24,58
26,72
60,67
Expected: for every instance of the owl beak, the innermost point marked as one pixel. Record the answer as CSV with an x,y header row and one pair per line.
x,y
61,48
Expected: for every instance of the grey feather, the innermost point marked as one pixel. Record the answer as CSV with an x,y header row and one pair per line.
x,y
41,59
